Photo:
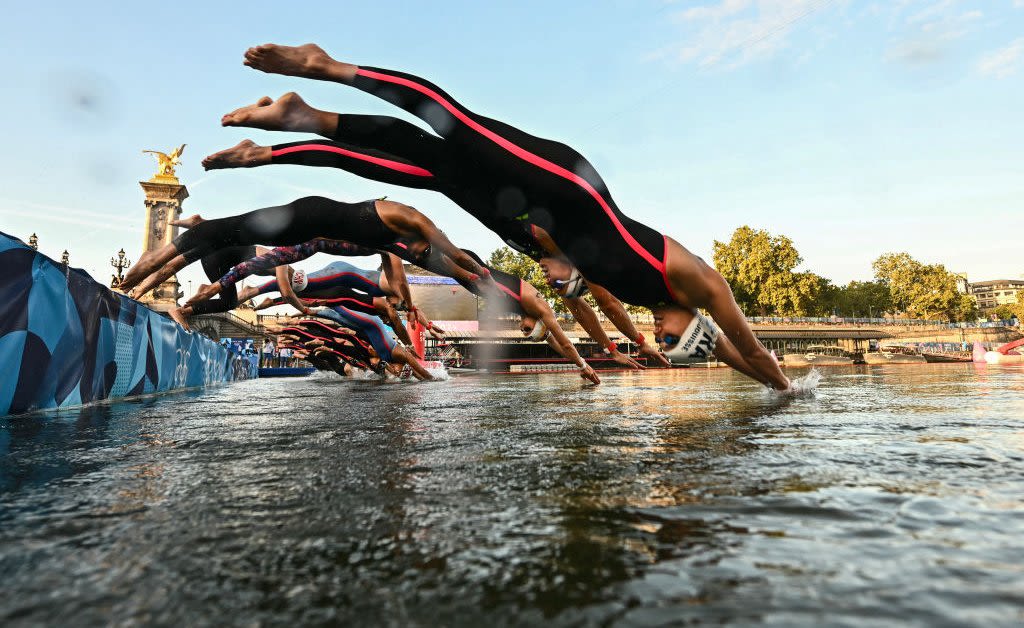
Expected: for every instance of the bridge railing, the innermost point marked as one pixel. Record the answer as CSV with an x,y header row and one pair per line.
x,y
903,322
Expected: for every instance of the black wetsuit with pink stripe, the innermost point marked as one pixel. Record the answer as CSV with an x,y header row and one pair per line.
x,y
507,179
351,348
216,264
350,299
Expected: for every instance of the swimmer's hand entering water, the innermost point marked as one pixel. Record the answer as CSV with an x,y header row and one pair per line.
x,y
587,372
806,386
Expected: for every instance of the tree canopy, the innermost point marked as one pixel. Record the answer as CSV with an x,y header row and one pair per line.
x,y
515,263
760,270
923,290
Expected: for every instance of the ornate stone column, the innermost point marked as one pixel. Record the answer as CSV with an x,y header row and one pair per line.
x,y
164,195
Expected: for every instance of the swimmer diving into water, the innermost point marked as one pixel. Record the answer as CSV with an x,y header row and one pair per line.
x,y
374,224
526,189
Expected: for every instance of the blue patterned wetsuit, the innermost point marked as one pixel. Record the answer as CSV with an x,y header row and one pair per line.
x,y
382,338
336,279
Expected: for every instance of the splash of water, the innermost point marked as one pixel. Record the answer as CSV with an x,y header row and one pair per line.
x,y
805,386
439,372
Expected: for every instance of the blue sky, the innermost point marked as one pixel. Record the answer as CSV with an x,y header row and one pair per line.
x,y
854,128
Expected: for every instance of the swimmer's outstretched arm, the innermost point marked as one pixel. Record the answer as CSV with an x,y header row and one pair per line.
x,y
705,287
409,222
390,314
399,354
394,272
617,314
535,306
284,286
609,305
587,318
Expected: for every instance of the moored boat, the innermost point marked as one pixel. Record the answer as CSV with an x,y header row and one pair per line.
x,y
819,355
960,356
895,354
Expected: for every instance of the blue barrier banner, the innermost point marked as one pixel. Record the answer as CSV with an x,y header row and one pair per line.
x,y
66,340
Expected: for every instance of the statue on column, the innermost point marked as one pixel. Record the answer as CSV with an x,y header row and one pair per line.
x,y
167,162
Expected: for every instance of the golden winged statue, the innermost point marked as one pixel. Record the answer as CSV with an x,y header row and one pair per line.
x,y
167,162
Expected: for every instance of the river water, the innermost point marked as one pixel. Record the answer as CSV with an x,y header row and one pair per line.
x,y
892,496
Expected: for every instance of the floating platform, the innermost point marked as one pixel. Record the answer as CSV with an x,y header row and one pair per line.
x,y
287,371
66,340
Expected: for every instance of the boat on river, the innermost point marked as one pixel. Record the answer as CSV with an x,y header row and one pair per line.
x,y
895,354
946,356
819,355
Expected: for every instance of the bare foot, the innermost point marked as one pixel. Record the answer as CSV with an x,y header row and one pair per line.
x,y
288,113
189,222
308,61
204,292
247,154
179,318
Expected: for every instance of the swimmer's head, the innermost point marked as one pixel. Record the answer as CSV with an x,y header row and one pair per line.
x,y
572,287
563,277
397,302
299,280
695,340
426,256
533,328
416,249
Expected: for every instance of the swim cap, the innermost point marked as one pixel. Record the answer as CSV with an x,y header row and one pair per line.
x,y
574,285
698,341
299,281
540,331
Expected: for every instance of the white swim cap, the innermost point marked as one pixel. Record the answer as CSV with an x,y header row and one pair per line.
x,y
574,285
540,331
299,281
698,341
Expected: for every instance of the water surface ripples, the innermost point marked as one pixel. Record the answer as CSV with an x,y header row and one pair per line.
x,y
657,498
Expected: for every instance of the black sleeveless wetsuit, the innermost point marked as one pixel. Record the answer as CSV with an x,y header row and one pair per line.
x,y
299,221
215,265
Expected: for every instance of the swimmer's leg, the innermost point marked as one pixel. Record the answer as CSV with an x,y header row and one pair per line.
x,y
148,263
287,113
411,93
160,276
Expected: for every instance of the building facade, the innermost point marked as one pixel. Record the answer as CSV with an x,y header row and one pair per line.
x,y
996,292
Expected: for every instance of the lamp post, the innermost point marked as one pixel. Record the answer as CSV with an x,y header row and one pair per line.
x,y
33,241
65,258
120,264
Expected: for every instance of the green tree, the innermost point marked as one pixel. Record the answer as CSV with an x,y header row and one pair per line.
x,y
760,270
1003,312
863,298
1018,307
923,290
522,266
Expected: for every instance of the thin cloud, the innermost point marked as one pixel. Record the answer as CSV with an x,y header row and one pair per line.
x,y
1003,62
728,8
930,32
732,33
65,219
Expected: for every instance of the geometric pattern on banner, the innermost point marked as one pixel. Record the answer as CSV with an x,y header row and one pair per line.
x,y
66,340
